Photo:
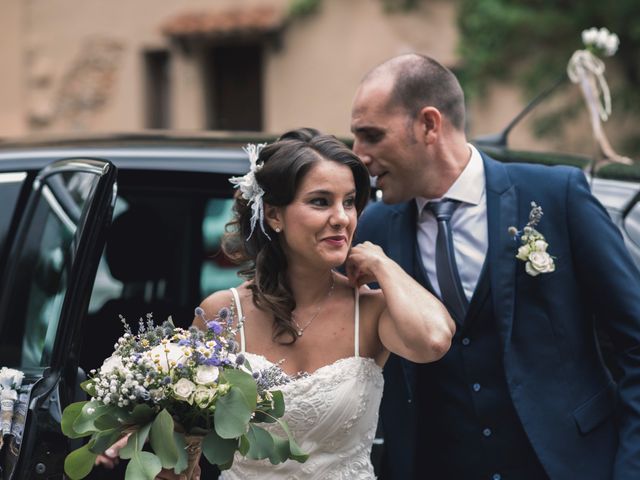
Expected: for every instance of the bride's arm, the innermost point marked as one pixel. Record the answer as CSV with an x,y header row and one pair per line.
x,y
412,322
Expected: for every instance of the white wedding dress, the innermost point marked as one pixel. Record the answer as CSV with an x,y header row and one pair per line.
x,y
332,413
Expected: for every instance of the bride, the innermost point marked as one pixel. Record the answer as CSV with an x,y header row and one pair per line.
x,y
295,215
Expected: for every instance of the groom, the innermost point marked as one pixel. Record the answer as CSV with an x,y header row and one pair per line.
x,y
523,393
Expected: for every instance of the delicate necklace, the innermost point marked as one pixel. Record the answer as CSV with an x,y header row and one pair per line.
x,y
300,330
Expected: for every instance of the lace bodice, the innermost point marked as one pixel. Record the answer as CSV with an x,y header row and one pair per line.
x,y
332,413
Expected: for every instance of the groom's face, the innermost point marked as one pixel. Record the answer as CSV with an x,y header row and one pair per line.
x,y
387,141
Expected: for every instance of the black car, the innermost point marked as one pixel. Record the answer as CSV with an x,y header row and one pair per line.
x,y
100,226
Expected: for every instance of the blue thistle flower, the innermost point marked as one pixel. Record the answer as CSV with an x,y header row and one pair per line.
x,y
215,327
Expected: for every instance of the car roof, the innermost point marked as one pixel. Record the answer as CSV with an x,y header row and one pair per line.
x,y
219,152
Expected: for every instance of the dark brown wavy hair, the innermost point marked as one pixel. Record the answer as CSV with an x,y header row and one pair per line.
x,y
285,162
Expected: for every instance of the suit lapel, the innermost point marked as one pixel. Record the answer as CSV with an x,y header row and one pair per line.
x,y
502,212
403,247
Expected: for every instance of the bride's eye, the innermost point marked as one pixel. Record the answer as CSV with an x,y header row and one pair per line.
x,y
319,202
349,202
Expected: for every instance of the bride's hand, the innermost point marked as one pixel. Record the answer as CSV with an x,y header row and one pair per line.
x,y
110,458
364,260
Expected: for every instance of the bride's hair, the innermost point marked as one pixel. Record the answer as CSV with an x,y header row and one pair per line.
x,y
285,164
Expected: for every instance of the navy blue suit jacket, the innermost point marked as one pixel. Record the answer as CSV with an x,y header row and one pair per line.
x,y
580,423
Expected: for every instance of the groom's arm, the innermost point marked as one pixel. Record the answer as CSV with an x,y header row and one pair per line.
x,y
608,273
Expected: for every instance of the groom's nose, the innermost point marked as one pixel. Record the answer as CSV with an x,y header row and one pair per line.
x,y
360,152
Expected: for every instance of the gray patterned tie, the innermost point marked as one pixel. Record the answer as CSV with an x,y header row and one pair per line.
x,y
451,290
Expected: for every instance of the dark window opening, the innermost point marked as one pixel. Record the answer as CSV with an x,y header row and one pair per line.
x,y
233,79
157,91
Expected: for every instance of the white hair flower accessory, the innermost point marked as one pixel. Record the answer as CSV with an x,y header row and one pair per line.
x,y
250,189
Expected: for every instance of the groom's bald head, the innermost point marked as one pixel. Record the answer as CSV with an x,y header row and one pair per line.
x,y
419,81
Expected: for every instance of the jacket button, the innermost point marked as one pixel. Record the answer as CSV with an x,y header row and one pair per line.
x,y
466,341
487,432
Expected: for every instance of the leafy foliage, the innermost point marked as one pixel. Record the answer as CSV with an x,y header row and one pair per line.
x,y
529,42
180,391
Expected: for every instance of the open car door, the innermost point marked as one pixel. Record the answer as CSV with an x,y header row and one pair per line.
x,y
48,282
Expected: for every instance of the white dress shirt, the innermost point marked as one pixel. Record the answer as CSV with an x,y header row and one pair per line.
x,y
468,226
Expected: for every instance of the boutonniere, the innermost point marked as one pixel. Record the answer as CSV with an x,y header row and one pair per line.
x,y
533,250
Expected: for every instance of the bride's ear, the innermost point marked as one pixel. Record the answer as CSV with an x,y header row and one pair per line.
x,y
273,217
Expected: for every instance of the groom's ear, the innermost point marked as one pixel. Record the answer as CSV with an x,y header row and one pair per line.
x,y
273,216
430,120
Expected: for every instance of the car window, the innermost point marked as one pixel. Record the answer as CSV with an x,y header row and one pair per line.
x,y
10,187
43,265
218,273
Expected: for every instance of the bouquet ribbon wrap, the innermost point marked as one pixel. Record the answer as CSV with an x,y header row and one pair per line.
x,y
194,451
8,399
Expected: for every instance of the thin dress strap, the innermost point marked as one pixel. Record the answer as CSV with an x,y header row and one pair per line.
x,y
357,323
236,299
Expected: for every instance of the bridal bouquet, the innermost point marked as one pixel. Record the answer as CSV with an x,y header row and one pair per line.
x,y
186,392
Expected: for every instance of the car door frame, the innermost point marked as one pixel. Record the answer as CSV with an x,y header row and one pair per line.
x,y
59,382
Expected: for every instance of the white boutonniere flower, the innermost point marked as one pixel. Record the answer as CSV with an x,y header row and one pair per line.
x,y
533,250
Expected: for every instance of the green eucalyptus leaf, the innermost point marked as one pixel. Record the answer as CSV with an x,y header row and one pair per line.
x,y
296,452
260,443
280,451
278,404
90,411
270,415
89,386
226,466
217,450
162,439
107,421
243,446
69,416
244,383
136,441
143,466
79,463
142,413
232,414
183,458
103,440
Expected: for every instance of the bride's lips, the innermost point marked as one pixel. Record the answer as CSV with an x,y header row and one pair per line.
x,y
336,241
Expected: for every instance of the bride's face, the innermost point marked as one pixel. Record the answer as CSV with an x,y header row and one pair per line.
x,y
318,225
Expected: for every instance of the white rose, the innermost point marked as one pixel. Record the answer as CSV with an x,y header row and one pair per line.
x,y
523,252
183,390
206,374
602,37
169,354
112,364
539,262
203,396
10,378
612,43
589,36
540,246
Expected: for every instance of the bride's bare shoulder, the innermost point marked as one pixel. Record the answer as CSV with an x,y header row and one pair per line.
x,y
215,302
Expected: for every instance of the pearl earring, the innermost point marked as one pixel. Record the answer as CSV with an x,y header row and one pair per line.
x,y
278,229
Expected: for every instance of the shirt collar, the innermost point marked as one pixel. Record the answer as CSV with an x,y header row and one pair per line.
x,y
468,187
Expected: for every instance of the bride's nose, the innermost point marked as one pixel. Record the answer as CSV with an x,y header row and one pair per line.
x,y
339,217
